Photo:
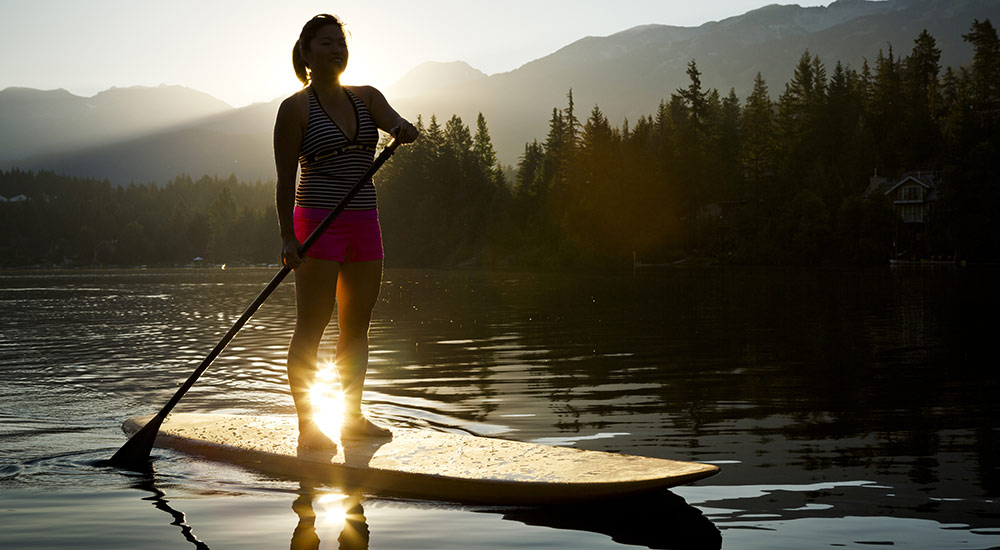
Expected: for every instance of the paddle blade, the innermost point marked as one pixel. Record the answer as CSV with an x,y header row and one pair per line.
x,y
134,454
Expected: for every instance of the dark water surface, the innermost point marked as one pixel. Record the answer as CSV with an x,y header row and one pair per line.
x,y
847,408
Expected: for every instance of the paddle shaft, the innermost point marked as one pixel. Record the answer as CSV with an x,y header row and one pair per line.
x,y
138,447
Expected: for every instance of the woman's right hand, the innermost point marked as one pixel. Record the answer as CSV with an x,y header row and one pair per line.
x,y
290,252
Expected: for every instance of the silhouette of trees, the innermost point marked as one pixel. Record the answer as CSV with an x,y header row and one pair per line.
x,y
442,200
75,221
774,181
705,175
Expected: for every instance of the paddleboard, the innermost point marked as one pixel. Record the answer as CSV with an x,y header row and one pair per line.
x,y
424,464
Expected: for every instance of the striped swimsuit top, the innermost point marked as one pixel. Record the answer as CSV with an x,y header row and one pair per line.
x,y
331,162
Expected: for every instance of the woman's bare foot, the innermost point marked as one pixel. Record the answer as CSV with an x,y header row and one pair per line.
x,y
359,427
311,437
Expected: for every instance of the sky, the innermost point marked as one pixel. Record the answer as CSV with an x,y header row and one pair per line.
x,y
240,52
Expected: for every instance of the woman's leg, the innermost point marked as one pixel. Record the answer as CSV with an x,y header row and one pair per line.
x,y
358,286
315,298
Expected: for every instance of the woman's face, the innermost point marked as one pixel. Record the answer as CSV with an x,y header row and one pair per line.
x,y
328,51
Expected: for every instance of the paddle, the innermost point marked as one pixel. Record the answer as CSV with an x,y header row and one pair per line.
x,y
135,451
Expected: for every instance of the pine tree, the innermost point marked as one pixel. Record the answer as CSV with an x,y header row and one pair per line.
x,y
572,124
595,204
689,113
921,71
759,131
865,85
695,98
886,112
807,86
433,139
559,152
846,145
800,107
985,67
728,147
482,145
458,142
530,182
920,82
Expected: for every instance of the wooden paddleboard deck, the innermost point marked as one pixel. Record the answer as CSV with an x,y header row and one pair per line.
x,y
424,464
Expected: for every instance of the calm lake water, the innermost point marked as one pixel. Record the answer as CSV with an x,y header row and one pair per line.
x,y
847,408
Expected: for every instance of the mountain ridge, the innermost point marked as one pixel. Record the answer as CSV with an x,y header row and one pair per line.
x,y
434,74
626,74
46,121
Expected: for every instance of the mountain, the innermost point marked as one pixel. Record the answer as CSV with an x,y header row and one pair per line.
x,y
627,74
235,142
45,121
431,76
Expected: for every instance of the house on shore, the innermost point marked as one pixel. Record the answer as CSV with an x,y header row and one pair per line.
x,y
913,199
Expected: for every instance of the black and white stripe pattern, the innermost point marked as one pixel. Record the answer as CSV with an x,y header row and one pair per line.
x,y
330,163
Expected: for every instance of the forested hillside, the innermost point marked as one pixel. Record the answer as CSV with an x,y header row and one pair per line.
x,y
706,174
71,221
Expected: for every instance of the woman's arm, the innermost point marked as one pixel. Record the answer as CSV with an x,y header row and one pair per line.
x,y
386,118
288,130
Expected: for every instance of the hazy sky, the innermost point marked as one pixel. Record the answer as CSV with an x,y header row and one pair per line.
x,y
240,52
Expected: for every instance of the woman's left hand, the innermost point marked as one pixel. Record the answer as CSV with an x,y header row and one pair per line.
x,y
404,132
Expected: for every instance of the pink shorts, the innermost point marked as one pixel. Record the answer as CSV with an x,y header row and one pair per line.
x,y
355,236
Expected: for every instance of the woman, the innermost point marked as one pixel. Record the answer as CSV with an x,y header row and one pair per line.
x,y
329,131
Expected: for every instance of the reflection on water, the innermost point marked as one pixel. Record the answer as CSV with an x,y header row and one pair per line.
x,y
659,520
822,393
344,508
147,483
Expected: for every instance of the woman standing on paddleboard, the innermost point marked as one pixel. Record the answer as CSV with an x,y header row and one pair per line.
x,y
329,132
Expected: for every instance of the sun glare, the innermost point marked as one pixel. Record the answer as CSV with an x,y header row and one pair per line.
x,y
358,76
331,507
327,401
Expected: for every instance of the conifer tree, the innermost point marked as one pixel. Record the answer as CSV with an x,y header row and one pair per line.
x,y
434,139
484,154
572,125
865,85
458,141
558,157
694,96
920,75
530,181
729,138
921,69
555,147
886,111
594,197
985,67
759,147
483,145
799,113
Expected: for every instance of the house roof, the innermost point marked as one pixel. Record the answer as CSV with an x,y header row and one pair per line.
x,y
925,179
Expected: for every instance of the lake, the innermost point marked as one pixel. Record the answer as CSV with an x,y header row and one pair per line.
x,y
847,408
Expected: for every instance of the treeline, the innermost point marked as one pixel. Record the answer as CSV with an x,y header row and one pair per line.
x,y
706,175
73,221
709,175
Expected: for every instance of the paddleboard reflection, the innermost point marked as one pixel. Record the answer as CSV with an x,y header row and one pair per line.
x,y
655,520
